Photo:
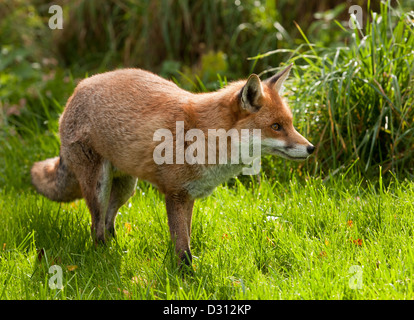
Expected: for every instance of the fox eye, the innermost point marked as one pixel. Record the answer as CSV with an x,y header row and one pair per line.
x,y
276,127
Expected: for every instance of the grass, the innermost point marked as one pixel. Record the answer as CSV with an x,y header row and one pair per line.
x,y
267,241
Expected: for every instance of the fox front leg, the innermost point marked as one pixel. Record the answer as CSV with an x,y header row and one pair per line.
x,y
180,211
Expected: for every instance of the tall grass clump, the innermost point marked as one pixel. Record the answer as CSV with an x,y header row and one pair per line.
x,y
356,101
162,35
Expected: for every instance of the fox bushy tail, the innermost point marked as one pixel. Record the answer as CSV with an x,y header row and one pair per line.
x,y
53,179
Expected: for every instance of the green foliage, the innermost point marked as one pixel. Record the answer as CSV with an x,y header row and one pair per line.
x,y
204,76
146,33
355,102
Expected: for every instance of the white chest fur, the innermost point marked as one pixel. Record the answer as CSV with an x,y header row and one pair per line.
x,y
211,178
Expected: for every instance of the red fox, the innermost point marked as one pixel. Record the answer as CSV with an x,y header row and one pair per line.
x,y
107,133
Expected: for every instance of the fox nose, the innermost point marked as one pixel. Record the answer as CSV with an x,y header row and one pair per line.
x,y
310,149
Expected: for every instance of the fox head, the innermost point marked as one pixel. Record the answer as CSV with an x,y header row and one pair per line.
x,y
268,112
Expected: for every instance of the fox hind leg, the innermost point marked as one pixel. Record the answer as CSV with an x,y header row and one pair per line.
x,y
99,202
123,188
95,175
96,184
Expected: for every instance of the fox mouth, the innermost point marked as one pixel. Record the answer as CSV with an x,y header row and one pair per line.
x,y
287,156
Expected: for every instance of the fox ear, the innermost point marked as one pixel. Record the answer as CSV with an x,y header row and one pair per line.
x,y
251,94
277,80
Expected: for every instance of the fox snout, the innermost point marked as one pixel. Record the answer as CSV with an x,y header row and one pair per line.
x,y
296,147
310,148
297,152
292,151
